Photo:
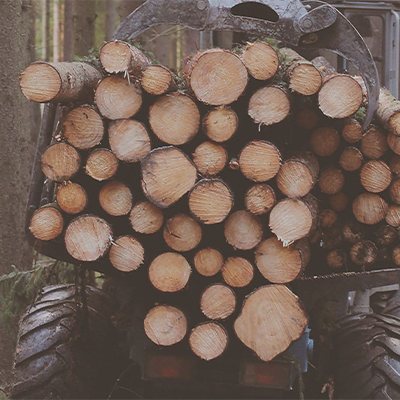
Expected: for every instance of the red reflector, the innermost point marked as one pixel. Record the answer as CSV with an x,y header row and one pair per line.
x,y
273,374
172,367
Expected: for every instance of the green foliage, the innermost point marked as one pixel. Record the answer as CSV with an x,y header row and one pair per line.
x,y
361,114
93,58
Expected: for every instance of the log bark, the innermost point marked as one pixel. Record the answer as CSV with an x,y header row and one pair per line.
x,y
364,253
324,141
298,175
260,161
167,174
369,208
83,127
277,319
60,162
174,118
260,199
388,111
218,301
88,237
208,340
261,60
393,216
182,233
47,223
59,82
208,261
210,158
129,140
115,199
291,219
217,77
169,272
158,80
337,259
331,180
394,142
165,325
118,98
307,119
146,218
243,230
237,272
220,124
351,159
303,76
374,144
210,201
71,197
376,176
352,131
101,164
279,264
126,254
269,105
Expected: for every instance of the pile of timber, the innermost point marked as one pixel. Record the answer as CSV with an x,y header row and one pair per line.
x,y
247,174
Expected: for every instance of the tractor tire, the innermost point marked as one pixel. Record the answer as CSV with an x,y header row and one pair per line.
x,y
65,346
367,357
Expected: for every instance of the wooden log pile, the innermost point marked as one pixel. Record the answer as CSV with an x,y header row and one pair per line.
x,y
255,172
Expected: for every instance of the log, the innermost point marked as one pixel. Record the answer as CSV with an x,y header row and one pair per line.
x,y
293,219
146,218
218,301
60,162
276,318
101,164
174,118
208,340
375,176
327,218
126,254
46,223
351,159
337,259
167,174
211,201
208,261
129,140
243,230
261,60
62,82
340,95
303,76
388,111
115,199
307,119
217,77
352,131
364,253
338,201
394,142
393,216
332,237
118,98
117,56
220,124
158,80
369,208
169,272
353,231
182,233
279,264
396,255
394,164
269,105
298,175
83,127
71,197
260,161
260,199
374,144
394,191
165,325
237,272
385,235
331,181
324,141
210,158
88,237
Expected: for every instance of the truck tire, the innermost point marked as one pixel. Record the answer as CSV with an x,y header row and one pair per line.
x,y
367,355
64,347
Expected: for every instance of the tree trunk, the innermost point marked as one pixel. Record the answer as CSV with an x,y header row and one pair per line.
x,y
111,19
56,30
68,30
45,30
84,17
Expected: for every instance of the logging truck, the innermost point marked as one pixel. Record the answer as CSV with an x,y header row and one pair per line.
x,y
245,213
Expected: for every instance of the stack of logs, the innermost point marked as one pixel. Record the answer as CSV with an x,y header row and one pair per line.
x,y
252,167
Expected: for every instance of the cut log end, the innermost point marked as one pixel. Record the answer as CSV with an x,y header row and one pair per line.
x,y
353,231
393,216
369,208
337,259
374,143
218,301
331,181
126,254
364,253
324,141
327,218
157,80
47,223
351,159
305,79
208,261
210,158
338,201
376,176
394,191
101,164
237,272
146,218
71,198
352,131
116,199
260,199
307,119
220,124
